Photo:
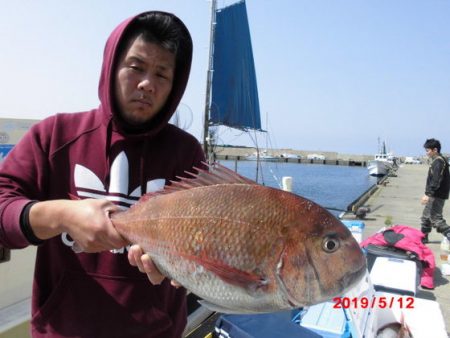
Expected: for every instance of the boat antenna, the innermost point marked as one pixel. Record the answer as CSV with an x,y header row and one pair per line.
x,y
207,138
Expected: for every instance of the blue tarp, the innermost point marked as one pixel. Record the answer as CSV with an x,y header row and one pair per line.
x,y
4,150
268,325
234,100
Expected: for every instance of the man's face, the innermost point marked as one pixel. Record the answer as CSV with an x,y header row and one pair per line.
x,y
431,152
143,80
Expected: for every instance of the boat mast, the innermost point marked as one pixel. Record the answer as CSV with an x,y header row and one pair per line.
x,y
206,134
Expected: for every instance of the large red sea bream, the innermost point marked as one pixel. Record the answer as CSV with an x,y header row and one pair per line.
x,y
243,247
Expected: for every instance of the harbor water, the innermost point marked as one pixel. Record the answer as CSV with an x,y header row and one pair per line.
x,y
333,187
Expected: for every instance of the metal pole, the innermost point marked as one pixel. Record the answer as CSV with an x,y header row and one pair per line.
x,y
206,136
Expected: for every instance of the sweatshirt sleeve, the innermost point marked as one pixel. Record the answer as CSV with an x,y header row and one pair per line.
x,y
437,169
23,176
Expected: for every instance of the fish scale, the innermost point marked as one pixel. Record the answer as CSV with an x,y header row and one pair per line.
x,y
243,247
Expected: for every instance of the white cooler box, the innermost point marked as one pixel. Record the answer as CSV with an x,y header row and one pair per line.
x,y
395,275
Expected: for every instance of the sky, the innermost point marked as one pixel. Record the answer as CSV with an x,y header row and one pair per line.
x,y
333,75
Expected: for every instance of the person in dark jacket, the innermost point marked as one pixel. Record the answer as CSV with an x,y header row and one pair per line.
x,y
436,191
85,282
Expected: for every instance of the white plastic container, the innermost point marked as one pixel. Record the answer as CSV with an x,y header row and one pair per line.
x,y
394,275
445,269
356,228
445,249
287,183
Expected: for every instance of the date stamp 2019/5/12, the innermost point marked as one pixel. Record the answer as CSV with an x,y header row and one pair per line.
x,y
380,302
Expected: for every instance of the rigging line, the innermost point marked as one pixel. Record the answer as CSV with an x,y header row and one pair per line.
x,y
259,172
273,145
276,178
255,143
269,143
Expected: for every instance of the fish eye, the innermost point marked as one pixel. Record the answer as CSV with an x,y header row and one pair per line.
x,y
330,244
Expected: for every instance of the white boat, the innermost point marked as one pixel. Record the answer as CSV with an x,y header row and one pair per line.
x,y
382,163
263,156
289,155
377,167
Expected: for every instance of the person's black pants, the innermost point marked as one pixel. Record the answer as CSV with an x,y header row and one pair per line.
x,y
432,216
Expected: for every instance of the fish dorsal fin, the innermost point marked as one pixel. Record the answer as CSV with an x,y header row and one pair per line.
x,y
214,174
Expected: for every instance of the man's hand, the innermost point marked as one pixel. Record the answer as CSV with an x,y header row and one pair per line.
x,y
86,221
144,263
424,199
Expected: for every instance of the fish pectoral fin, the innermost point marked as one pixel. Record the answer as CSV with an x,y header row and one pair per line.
x,y
247,280
231,275
223,309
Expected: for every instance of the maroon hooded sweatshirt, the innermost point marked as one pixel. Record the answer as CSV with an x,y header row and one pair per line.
x,y
90,154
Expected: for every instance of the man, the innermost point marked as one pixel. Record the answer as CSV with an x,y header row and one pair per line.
x,y
436,191
84,284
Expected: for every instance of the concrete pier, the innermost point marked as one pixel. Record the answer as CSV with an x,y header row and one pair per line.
x,y
398,201
345,162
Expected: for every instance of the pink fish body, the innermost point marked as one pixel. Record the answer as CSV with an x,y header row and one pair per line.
x,y
243,247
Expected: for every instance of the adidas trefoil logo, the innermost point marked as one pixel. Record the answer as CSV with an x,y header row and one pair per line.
x,y
88,185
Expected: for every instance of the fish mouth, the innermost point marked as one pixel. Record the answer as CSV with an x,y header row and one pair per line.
x,y
350,279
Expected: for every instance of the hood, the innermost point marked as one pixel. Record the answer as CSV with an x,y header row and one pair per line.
x,y
105,88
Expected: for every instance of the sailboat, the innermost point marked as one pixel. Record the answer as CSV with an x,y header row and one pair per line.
x,y
231,91
231,94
